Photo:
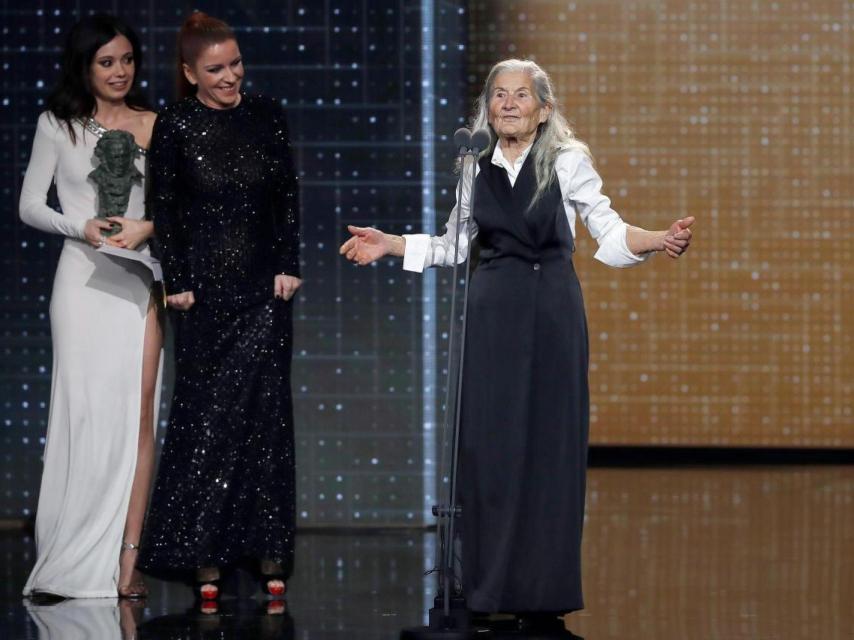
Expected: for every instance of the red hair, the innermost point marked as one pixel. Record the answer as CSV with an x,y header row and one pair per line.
x,y
198,32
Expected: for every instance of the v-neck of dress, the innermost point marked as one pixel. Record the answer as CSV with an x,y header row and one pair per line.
x,y
514,190
512,198
498,159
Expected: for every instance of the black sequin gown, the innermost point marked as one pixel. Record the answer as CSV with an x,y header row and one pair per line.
x,y
224,201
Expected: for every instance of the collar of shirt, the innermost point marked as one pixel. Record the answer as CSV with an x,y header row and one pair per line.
x,y
512,168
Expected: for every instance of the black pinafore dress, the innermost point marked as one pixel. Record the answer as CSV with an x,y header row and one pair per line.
x,y
525,406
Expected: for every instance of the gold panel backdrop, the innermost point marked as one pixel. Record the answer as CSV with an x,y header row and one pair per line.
x,y
738,113
722,552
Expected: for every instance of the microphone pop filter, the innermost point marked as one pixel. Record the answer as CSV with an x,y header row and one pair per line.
x,y
462,138
480,140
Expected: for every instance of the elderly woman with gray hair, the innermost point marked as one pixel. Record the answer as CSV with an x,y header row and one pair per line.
x,y
525,407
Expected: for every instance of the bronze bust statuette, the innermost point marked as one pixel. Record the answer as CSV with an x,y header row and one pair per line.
x,y
115,175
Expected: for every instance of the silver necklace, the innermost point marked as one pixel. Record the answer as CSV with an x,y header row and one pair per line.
x,y
93,126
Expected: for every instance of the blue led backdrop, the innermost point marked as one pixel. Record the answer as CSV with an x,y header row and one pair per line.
x,y
373,91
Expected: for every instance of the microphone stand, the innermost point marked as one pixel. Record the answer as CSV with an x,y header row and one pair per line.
x,y
449,619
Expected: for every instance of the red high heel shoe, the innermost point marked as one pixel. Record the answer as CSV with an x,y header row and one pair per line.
x,y
273,580
207,589
274,585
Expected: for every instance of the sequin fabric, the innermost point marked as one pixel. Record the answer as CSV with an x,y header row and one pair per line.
x,y
225,209
223,197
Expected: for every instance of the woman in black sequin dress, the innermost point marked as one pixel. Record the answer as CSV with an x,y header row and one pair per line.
x,y
224,200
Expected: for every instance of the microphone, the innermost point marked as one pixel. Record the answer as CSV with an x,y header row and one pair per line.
x,y
462,140
480,140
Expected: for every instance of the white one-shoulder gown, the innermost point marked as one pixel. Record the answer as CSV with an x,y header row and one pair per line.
x,y
97,317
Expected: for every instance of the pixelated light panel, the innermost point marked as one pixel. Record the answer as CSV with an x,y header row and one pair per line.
x,y
737,113
647,530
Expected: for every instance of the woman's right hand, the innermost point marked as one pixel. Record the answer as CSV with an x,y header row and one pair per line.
x,y
368,244
181,301
92,231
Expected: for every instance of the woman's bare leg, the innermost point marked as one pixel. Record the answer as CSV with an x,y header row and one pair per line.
x,y
153,342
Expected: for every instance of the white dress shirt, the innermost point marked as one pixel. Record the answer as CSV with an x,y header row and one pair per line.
x,y
581,189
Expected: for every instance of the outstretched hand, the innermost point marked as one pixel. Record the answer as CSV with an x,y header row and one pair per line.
x,y
678,237
365,246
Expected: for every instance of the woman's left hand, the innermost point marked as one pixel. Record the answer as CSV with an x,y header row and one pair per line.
x,y
285,286
677,239
133,233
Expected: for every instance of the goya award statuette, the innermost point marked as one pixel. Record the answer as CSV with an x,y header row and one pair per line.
x,y
115,175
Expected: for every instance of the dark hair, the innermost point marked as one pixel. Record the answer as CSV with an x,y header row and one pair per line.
x,y
198,32
72,96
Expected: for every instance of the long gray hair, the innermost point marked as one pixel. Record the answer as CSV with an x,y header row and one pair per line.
x,y
554,136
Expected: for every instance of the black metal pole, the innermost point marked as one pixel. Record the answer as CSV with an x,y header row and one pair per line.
x,y
462,141
452,510
445,625
446,540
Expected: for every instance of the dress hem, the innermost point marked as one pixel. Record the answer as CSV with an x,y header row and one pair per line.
x,y
162,568
69,594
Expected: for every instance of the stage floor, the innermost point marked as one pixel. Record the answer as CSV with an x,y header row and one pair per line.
x,y
684,553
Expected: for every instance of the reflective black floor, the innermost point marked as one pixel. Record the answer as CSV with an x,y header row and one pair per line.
x,y
719,553
358,585
363,585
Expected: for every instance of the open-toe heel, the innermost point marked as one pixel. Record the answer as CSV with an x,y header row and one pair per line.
x,y
136,589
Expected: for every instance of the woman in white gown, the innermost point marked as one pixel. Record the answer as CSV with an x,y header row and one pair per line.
x,y
106,335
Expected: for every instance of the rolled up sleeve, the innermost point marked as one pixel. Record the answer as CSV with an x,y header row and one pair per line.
x,y
423,250
581,187
415,253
